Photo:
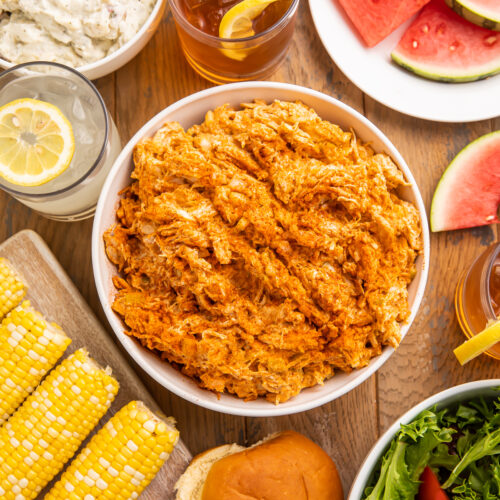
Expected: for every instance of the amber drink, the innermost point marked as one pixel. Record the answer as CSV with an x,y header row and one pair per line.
x,y
224,60
477,297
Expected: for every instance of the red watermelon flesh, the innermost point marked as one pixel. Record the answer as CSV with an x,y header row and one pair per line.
x,y
468,193
376,19
486,4
441,45
485,13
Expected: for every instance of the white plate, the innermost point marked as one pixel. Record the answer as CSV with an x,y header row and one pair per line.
x,y
372,71
191,110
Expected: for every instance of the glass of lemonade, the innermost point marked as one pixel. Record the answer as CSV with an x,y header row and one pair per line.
x,y
73,194
224,60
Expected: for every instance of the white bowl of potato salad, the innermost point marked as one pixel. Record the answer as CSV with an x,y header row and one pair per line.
x,y
94,36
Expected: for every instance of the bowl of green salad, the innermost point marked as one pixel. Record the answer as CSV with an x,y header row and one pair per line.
x,y
445,448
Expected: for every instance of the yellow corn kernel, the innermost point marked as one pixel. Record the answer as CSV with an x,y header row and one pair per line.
x,y
45,432
29,348
121,459
12,287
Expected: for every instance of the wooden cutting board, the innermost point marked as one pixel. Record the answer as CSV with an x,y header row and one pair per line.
x,y
52,293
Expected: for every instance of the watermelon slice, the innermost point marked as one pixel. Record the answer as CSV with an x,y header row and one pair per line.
x,y
485,13
376,19
468,193
441,45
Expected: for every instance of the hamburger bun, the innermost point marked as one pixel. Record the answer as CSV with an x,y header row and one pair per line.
x,y
285,466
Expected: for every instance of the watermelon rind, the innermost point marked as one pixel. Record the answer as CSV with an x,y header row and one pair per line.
x,y
446,74
439,206
473,13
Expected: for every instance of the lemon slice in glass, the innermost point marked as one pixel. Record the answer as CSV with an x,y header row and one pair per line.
x,y
238,20
36,142
238,23
479,343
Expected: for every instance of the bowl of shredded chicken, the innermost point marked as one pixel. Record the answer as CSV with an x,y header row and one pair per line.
x,y
260,248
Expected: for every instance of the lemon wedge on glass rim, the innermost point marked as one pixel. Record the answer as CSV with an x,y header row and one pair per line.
x,y
237,23
479,343
36,142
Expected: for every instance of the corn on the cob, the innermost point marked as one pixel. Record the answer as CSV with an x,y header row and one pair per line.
x,y
12,287
45,432
29,348
121,459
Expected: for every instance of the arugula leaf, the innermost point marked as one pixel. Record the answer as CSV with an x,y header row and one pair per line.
x,y
441,457
495,472
484,446
465,442
467,415
491,418
490,487
478,476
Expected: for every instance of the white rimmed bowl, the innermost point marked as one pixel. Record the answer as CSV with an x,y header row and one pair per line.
x,y
189,111
124,54
459,393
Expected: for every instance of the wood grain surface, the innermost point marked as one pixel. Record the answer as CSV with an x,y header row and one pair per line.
x,y
51,292
423,364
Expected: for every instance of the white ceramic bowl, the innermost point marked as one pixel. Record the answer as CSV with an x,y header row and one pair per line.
x,y
189,111
124,54
443,399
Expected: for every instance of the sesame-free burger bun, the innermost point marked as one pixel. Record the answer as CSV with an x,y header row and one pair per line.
x,y
286,466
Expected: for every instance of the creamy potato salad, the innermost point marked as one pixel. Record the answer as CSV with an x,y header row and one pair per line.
x,y
72,32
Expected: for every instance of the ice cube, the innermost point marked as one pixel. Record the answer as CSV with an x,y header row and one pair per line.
x,y
83,135
78,110
16,90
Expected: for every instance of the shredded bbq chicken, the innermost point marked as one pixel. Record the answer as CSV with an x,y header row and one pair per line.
x,y
263,249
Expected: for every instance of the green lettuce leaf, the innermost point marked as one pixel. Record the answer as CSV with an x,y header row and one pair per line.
x,y
404,462
400,484
488,444
376,492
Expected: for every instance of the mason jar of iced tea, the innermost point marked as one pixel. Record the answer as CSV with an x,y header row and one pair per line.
x,y
477,297
239,57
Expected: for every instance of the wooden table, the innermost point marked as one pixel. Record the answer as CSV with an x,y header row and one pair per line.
x,y
424,363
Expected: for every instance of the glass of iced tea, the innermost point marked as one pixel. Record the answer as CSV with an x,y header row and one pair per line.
x,y
477,297
239,57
